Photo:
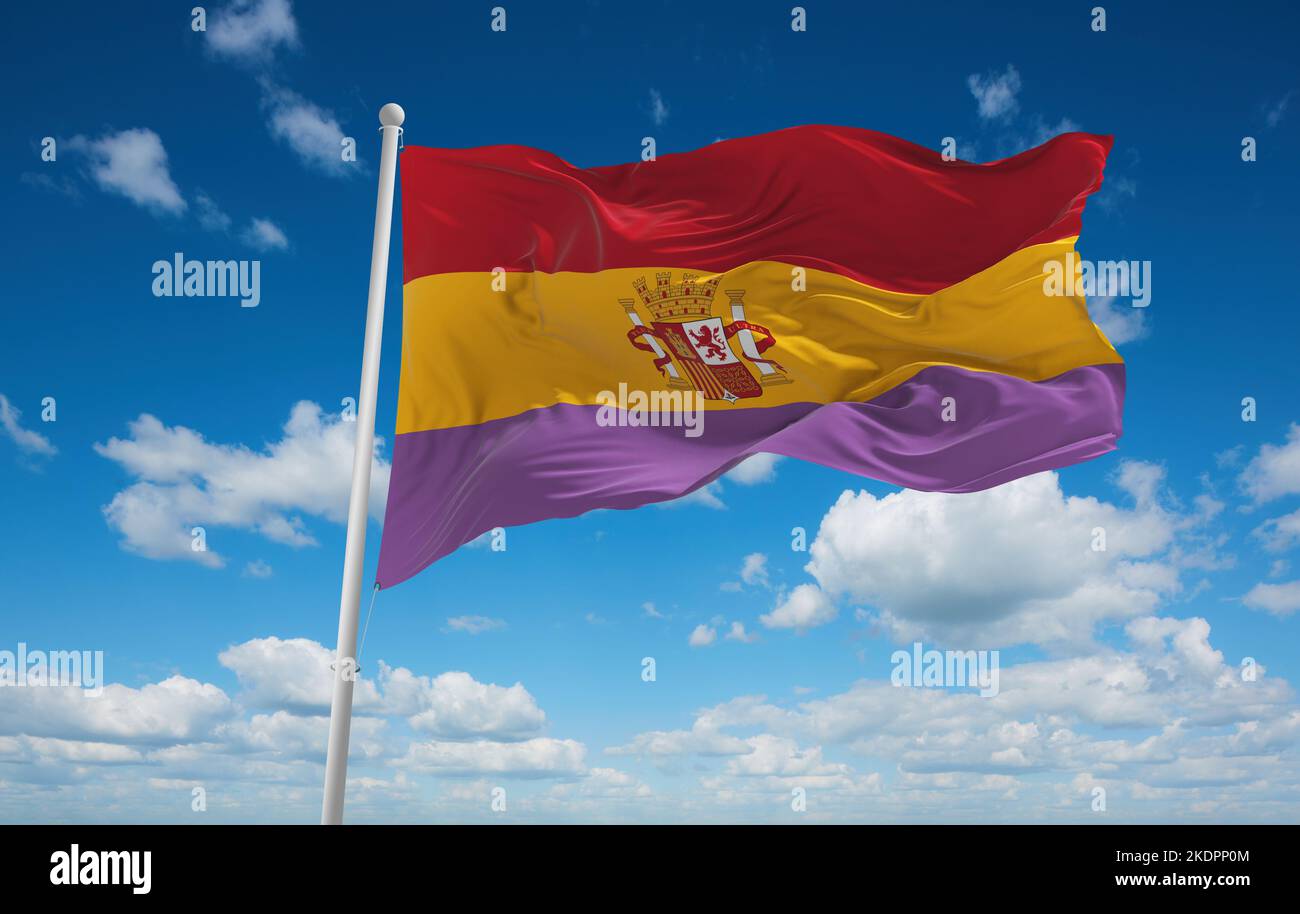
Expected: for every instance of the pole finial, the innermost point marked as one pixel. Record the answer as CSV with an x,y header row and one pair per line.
x,y
392,115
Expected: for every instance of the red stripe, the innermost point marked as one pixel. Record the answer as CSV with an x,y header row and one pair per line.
x,y
872,207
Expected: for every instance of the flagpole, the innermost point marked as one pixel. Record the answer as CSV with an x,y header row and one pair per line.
x,y
354,555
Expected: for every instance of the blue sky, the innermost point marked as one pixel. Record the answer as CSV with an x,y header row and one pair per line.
x,y
522,669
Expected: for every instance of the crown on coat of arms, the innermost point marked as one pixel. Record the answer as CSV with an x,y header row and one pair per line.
x,y
689,299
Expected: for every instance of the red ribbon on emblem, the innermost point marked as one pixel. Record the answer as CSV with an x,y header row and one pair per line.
x,y
762,345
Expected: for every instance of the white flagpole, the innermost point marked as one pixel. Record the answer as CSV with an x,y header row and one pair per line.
x,y
345,666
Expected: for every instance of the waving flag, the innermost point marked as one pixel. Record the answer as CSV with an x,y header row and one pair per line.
x,y
824,293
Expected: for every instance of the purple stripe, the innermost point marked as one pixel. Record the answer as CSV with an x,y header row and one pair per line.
x,y
450,485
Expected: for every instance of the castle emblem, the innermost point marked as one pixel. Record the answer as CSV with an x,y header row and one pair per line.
x,y
693,349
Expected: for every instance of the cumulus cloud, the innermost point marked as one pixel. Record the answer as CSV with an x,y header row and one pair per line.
x,y
704,738
1121,324
1275,470
295,675
135,752
311,131
1017,563
702,636
1274,113
285,734
133,164
755,469
1165,714
28,441
264,235
178,708
1280,533
455,706
737,633
753,572
534,758
211,216
257,569
474,625
1161,720
252,30
996,93
1277,599
1043,131
707,496
778,756
184,481
807,606
292,674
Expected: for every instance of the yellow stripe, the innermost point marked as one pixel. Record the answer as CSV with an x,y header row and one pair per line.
x,y
471,354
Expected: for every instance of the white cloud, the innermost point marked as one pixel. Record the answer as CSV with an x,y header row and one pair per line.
x,y
1280,533
704,738
257,569
28,441
755,469
708,496
1274,113
1278,599
251,30
602,785
777,756
540,757
996,93
658,110
474,625
1007,565
737,633
309,130
295,675
753,569
753,572
177,708
45,750
133,753
184,481
1164,723
806,607
288,735
702,636
1044,131
211,216
292,674
1121,323
1184,642
1275,470
649,609
455,706
264,235
1139,722
133,164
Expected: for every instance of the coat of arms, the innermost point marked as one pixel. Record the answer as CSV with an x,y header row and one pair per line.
x,y
693,349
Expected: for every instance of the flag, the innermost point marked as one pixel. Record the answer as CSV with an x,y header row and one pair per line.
x,y
826,293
